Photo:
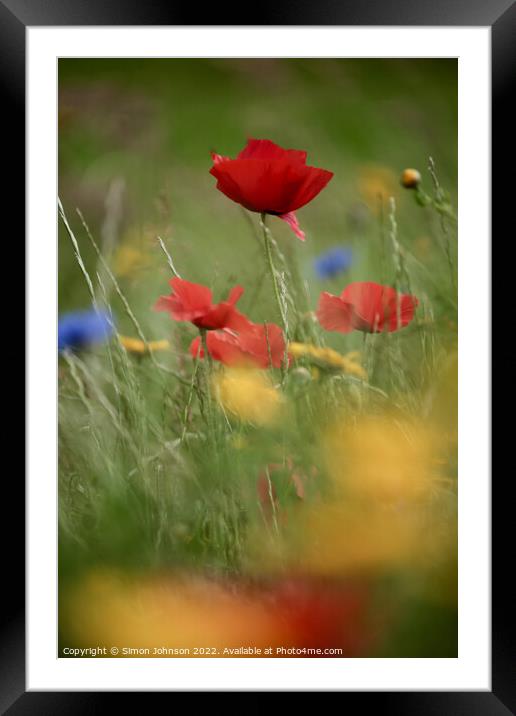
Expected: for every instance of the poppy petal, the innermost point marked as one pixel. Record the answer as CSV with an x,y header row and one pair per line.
x,y
196,349
187,302
335,314
234,294
269,186
191,295
292,221
224,347
162,304
314,181
407,308
265,343
376,306
261,186
227,184
265,149
369,302
217,158
223,315
258,345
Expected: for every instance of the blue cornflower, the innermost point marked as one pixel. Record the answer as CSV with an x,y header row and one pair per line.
x,y
79,329
333,262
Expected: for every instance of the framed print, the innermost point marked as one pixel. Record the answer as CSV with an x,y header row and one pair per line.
x,y
259,459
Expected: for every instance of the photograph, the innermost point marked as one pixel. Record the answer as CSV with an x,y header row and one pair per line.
x,y
257,357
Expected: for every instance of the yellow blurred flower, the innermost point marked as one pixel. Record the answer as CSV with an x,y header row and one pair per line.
x,y
182,615
340,538
248,394
381,458
134,254
129,260
382,508
328,358
109,610
377,183
135,345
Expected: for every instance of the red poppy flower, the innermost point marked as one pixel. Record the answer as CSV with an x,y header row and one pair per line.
x,y
267,493
193,302
325,613
270,180
257,344
367,307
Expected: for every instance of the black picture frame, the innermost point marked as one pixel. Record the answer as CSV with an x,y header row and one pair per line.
x,y
500,15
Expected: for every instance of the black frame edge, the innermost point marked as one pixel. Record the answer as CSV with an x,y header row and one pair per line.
x,y
271,12
12,181
503,647
502,700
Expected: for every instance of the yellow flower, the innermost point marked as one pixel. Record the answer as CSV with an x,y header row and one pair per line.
x,y
382,459
135,345
328,358
377,183
172,612
129,260
340,538
248,394
380,508
135,252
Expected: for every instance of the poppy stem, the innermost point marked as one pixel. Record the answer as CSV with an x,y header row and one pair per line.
x,y
277,294
207,378
204,342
